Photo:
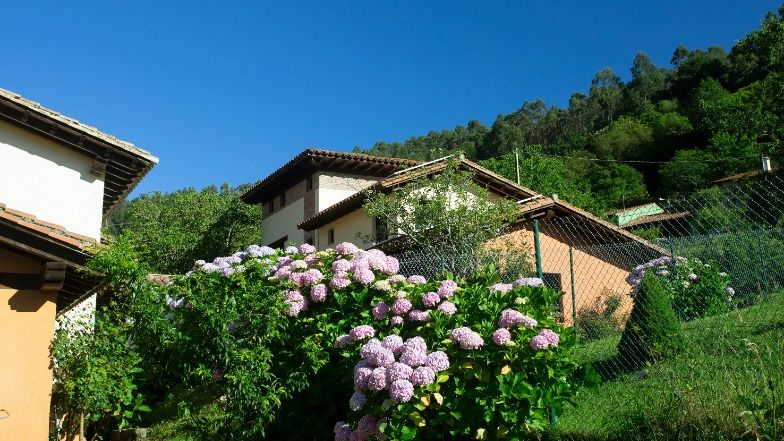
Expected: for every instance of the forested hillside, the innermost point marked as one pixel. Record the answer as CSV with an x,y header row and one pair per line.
x,y
668,130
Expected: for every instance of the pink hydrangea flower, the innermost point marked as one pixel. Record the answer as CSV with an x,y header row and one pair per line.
x,y
401,391
396,320
431,299
392,266
397,278
357,401
398,371
539,343
343,340
378,355
467,338
367,348
438,361
362,332
416,343
311,277
528,281
401,295
298,264
447,307
311,259
380,310
423,375
339,283
513,319
283,272
401,306
413,357
447,289
393,342
342,265
419,316
378,379
342,431
383,286
502,337
346,248
416,280
552,337
501,288
364,276
307,248
318,293
361,377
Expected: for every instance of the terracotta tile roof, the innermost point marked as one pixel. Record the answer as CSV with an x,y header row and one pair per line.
x,y
52,231
312,160
492,180
737,177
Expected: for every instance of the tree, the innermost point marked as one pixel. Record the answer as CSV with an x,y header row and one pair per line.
x,y
444,215
687,171
647,82
607,92
625,138
175,229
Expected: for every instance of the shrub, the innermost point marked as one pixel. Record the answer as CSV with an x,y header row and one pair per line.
x,y
599,321
696,289
264,340
652,331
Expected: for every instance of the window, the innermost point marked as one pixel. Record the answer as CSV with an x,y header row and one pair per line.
x,y
279,243
283,199
271,206
309,183
331,236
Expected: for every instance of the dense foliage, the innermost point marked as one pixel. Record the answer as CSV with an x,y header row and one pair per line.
x,y
174,229
268,339
709,115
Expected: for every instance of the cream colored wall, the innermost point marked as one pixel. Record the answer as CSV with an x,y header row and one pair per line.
x,y
50,181
26,331
594,278
334,187
346,229
283,222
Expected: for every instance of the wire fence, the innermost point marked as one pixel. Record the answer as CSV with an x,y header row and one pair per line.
x,y
677,304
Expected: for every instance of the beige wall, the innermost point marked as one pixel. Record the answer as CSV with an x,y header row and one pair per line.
x,y
26,331
334,187
283,222
50,181
346,229
594,278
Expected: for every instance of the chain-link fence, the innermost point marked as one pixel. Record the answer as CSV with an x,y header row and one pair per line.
x,y
678,304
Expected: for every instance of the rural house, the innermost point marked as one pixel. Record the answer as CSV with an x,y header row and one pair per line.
x,y
326,221
58,179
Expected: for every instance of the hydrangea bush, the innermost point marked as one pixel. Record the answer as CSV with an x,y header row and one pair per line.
x,y
696,288
279,336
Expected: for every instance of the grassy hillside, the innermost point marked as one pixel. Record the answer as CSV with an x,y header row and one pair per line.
x,y
698,394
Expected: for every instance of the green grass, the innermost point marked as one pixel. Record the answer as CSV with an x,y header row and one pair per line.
x,y
693,395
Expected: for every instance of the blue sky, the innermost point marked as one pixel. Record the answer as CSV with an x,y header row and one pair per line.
x,y
229,91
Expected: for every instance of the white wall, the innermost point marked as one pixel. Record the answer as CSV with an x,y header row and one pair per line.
x,y
334,187
346,229
283,222
50,181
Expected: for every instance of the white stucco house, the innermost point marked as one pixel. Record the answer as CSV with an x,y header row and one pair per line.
x,y
58,179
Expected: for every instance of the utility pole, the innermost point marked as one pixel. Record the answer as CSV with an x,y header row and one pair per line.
x,y
517,166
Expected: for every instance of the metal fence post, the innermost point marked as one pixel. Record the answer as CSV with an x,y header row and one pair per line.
x,y
537,249
762,262
574,298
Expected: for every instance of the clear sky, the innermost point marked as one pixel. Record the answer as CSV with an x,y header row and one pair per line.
x,y
228,91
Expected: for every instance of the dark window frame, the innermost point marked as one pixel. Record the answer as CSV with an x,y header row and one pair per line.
x,y
330,236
